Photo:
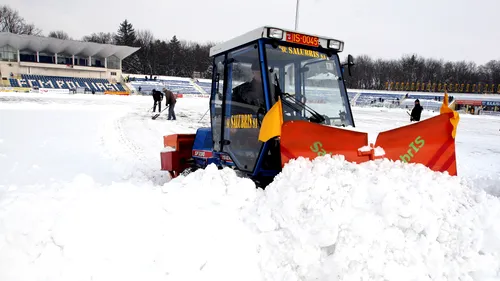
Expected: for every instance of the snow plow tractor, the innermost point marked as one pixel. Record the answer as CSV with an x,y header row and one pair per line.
x,y
277,95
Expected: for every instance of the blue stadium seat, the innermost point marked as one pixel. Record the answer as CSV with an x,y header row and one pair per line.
x,y
13,82
176,86
367,98
351,96
206,86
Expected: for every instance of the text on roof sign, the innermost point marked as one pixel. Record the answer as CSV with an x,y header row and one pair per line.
x,y
302,52
302,39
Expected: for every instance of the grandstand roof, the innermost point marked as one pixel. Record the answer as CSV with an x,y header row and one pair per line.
x,y
70,47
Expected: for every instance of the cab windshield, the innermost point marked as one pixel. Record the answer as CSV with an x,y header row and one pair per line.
x,y
309,85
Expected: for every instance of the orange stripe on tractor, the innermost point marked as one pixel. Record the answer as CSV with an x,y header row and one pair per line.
x,y
438,155
450,165
430,142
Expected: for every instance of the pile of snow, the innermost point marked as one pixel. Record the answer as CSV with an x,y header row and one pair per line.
x,y
490,183
325,219
81,230
380,220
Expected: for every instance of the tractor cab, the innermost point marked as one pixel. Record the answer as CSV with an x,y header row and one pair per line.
x,y
252,72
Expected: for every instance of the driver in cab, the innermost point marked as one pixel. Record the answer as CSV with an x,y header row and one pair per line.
x,y
251,92
247,100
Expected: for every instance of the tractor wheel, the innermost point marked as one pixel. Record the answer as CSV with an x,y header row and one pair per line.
x,y
172,174
262,182
188,171
183,173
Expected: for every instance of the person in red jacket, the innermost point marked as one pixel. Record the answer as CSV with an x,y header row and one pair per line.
x,y
170,101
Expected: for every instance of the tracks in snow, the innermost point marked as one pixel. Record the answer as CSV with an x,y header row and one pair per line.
x,y
128,144
129,155
133,141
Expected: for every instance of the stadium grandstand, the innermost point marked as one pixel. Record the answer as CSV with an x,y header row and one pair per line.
x,y
34,62
483,104
179,85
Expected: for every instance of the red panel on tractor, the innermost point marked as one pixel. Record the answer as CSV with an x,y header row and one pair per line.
x,y
309,140
178,139
177,160
169,160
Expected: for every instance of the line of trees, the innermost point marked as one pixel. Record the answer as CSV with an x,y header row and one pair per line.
x,y
158,57
181,58
378,74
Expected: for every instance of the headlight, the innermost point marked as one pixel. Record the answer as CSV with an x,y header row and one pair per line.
x,y
337,45
275,33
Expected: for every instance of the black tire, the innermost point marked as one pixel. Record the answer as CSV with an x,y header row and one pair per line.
x,y
188,171
262,182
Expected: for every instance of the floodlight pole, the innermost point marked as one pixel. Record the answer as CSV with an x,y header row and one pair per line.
x,y
297,16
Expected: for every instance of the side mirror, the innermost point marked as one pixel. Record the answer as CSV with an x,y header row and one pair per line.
x,y
350,62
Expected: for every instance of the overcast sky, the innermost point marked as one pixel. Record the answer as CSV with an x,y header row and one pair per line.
x,y
448,29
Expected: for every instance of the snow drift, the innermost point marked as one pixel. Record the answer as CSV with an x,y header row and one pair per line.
x,y
381,220
325,219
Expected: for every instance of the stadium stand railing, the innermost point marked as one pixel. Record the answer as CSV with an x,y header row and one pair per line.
x,y
352,97
401,100
378,99
179,86
206,86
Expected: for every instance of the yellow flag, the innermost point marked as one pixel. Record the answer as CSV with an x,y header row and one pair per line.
x,y
271,125
446,109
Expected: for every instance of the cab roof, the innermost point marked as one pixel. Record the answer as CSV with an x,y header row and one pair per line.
x,y
264,32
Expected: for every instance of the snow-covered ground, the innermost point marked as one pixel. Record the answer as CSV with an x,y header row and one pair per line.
x,y
82,198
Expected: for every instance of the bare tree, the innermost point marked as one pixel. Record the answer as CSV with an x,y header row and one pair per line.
x,y
145,60
101,38
144,37
11,21
59,34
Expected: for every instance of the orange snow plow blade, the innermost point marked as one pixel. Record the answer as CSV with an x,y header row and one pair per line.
x,y
309,140
430,142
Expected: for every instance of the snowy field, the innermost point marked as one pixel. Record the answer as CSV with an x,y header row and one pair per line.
x,y
82,197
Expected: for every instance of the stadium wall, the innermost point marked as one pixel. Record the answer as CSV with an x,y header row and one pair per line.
x,y
17,68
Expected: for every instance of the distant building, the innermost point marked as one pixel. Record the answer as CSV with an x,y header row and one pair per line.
x,y
44,62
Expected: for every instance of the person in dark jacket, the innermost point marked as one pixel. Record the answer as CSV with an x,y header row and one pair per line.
x,y
157,97
416,111
251,92
170,101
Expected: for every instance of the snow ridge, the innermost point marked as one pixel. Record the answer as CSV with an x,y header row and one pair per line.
x,y
380,220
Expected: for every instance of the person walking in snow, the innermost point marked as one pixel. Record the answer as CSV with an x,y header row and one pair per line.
x,y
416,111
170,101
